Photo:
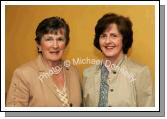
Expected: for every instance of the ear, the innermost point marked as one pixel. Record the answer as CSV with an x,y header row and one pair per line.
x,y
39,47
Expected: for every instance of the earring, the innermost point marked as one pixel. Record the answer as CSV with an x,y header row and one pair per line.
x,y
39,49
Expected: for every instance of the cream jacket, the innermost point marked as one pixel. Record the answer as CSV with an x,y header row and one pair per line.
x,y
29,89
129,85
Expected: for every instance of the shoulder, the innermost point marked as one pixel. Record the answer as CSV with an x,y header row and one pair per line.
x,y
27,68
24,74
90,70
137,69
134,66
29,65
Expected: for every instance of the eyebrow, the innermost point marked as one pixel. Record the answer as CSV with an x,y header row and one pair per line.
x,y
51,37
104,33
48,37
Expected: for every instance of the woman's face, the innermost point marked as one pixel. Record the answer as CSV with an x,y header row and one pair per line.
x,y
53,45
111,42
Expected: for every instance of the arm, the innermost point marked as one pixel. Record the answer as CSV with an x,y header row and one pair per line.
x,y
18,94
85,94
83,86
144,90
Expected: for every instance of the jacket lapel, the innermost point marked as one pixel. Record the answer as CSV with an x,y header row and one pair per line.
x,y
45,79
97,77
68,84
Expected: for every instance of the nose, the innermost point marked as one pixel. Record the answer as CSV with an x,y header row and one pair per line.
x,y
55,43
108,40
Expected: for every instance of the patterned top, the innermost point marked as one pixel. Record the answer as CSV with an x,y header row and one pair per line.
x,y
104,87
128,86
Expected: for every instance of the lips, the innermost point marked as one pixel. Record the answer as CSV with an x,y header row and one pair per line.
x,y
109,47
54,52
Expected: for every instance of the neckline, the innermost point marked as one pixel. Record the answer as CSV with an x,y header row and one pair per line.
x,y
62,95
64,86
114,67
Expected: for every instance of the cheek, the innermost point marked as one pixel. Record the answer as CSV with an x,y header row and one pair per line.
x,y
45,46
119,43
62,45
101,42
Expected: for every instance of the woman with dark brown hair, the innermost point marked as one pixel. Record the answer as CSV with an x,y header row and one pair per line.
x,y
117,81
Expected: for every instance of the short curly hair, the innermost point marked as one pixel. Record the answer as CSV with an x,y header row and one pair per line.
x,y
50,25
124,26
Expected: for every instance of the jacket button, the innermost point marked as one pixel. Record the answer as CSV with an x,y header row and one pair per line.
x,y
114,72
70,104
111,90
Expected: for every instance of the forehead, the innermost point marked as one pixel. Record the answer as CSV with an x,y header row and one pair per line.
x,y
60,32
112,28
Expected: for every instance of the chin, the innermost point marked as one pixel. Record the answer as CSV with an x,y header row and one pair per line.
x,y
109,54
54,58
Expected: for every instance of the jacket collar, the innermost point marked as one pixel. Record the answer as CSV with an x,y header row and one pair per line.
x,y
121,61
40,64
42,67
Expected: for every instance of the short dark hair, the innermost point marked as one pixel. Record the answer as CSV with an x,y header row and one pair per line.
x,y
124,26
49,25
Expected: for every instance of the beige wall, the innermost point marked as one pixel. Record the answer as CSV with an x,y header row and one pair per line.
x,y
21,22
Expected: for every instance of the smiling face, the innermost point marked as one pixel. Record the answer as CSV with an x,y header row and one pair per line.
x,y
52,45
111,42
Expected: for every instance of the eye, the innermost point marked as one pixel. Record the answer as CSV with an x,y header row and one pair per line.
x,y
103,36
60,39
48,39
114,35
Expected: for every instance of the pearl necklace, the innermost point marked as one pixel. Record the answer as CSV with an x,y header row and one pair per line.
x,y
62,94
